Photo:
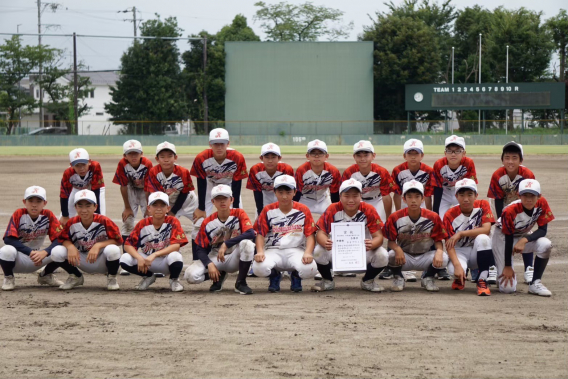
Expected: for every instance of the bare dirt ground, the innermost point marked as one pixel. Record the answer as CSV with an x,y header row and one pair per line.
x,y
88,332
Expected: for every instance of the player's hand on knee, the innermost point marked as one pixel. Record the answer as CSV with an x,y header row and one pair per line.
x,y
328,244
63,220
73,257
307,258
507,277
214,274
142,265
221,255
259,257
520,246
399,258
126,214
149,259
37,256
197,214
438,259
368,244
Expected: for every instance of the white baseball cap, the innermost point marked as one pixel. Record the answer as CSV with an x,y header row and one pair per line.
x,y
517,145
412,184
78,156
166,146
466,183
285,180
221,190
85,195
351,183
35,191
529,186
219,135
132,145
455,140
270,148
155,196
363,146
413,144
317,144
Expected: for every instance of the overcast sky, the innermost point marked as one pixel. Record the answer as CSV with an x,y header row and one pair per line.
x,y
101,17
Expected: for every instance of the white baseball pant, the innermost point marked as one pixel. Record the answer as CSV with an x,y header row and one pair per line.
x,y
468,255
448,200
109,253
419,262
541,247
377,258
24,264
160,265
71,202
137,200
284,260
317,207
244,251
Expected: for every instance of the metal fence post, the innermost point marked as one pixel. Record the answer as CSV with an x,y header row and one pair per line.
x,y
407,122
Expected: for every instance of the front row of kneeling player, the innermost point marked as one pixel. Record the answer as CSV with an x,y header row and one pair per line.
x,y
285,236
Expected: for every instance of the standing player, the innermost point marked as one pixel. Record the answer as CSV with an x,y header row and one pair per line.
x,y
513,236
159,238
469,246
350,209
505,186
24,237
285,238
90,242
224,245
83,174
262,175
318,181
412,232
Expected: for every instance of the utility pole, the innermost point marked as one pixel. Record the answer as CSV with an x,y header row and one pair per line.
x,y
19,89
134,20
205,106
75,85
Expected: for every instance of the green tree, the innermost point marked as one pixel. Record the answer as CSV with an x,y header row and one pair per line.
x,y
558,27
150,87
304,22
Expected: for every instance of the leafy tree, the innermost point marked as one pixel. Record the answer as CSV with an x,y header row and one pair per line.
x,y
303,22
558,27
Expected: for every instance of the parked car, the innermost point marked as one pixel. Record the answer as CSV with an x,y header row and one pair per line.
x,y
49,130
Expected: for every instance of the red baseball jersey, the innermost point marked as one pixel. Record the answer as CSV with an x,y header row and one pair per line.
x,y
425,175
232,168
93,180
101,229
336,213
415,237
455,221
30,232
515,221
283,231
376,183
502,187
445,177
178,182
314,186
149,239
259,180
214,232
126,175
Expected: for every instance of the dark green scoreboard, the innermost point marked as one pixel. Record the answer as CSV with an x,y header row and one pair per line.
x,y
485,96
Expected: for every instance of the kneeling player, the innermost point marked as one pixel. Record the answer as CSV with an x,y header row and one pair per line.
x,y
285,238
513,235
90,242
224,244
411,233
350,209
469,246
159,238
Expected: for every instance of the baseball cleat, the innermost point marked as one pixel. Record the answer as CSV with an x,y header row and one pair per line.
x,y
146,282
275,278
175,285
482,289
458,285
324,285
537,288
49,280
296,282
72,282
124,272
371,285
398,283
428,284
112,283
474,275
9,283
529,275
242,288
492,276
386,274
218,285
409,276
443,275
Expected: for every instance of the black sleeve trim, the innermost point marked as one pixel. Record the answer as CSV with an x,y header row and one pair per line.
x,y
248,235
236,186
201,191
98,197
18,245
438,191
539,233
509,240
203,255
499,207
64,206
259,201
179,202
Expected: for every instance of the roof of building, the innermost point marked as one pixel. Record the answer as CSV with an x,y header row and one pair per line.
x,y
98,78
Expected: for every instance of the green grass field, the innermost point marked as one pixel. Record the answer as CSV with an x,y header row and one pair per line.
x,y
184,150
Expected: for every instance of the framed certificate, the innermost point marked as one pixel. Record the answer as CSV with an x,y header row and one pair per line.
x,y
348,250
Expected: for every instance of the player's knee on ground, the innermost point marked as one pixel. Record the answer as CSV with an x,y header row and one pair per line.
x,y
59,254
112,252
308,271
543,248
379,257
195,273
246,249
128,260
483,242
321,255
261,269
174,256
8,253
392,255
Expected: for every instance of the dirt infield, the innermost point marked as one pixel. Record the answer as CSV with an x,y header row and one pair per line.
x,y
88,332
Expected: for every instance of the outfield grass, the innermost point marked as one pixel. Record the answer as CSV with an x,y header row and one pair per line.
x,y
117,150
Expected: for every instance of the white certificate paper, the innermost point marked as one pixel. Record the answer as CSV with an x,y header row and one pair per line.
x,y
348,249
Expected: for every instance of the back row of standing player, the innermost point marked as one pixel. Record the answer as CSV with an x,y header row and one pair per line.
x,y
411,232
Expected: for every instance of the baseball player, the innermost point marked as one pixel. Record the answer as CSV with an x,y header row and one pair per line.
x,y
90,242
24,238
505,186
224,244
376,180
513,236
412,232
318,181
159,238
84,173
350,208
262,175
468,226
285,238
